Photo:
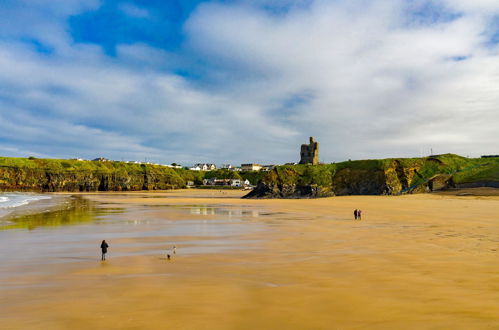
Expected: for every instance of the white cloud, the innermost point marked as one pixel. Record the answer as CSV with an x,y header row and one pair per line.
x,y
488,7
353,74
370,73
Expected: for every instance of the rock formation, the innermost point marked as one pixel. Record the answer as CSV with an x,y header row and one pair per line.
x,y
95,178
378,177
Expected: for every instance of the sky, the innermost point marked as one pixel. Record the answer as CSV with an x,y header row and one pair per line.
x,y
234,81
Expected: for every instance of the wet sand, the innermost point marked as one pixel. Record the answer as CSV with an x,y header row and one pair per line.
x,y
413,262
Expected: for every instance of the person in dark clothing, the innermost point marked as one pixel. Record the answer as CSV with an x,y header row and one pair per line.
x,y
359,214
355,214
104,247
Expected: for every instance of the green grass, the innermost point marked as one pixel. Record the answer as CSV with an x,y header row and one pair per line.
x,y
73,165
486,170
463,169
61,174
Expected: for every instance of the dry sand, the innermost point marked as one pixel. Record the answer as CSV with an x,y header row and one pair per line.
x,y
413,262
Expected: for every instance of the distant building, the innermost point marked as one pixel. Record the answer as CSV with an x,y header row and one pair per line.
x,y
235,183
173,166
267,168
251,167
217,182
100,159
227,166
203,167
226,182
78,159
309,153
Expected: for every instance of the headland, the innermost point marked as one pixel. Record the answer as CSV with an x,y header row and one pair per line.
x,y
391,176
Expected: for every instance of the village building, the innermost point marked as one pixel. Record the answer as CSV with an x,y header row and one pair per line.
x,y
203,167
226,182
267,168
235,183
173,166
309,153
251,167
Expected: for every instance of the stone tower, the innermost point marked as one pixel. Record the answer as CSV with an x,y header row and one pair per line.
x,y
309,153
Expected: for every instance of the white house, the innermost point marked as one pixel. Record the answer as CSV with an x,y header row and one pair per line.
x,y
173,166
235,183
251,167
204,167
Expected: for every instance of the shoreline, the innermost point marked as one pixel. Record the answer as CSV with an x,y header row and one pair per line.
x,y
33,206
41,213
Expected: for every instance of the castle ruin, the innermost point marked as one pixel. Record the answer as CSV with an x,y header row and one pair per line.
x,y
309,153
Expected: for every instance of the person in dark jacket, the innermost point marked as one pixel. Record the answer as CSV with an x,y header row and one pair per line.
x,y
104,247
355,214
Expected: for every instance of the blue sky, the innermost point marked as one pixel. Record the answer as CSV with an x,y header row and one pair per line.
x,y
248,81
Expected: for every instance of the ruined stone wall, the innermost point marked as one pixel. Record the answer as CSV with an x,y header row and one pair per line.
x,y
309,153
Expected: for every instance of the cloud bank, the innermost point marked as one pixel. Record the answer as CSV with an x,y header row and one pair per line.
x,y
232,82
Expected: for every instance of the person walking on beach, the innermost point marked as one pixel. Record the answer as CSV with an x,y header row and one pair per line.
x,y
104,247
355,214
359,214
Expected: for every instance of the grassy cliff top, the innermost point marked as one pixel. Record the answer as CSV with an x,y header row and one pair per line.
x,y
463,169
75,165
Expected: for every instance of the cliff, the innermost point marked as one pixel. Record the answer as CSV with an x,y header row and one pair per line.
x,y
378,177
50,175
361,177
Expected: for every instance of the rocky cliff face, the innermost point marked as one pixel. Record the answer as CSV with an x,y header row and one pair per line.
x,y
377,177
345,182
14,178
275,190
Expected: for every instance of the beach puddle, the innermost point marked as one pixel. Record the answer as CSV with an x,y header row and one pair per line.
x,y
71,233
58,211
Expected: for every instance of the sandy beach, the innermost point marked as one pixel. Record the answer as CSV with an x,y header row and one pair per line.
x,y
413,262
